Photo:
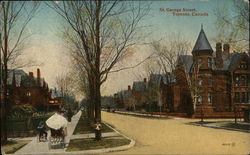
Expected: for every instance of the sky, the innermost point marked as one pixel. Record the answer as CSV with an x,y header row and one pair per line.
x,y
47,48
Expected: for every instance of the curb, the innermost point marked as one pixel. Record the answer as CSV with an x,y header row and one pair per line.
x,y
114,149
150,115
222,128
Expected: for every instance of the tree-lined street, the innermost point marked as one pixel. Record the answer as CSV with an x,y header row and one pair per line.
x,y
161,136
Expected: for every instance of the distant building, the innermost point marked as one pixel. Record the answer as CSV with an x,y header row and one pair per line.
x,y
139,94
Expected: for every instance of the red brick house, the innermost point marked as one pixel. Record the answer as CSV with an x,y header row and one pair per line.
x,y
221,79
24,89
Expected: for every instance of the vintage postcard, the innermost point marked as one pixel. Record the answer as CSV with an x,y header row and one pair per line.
x,y
125,77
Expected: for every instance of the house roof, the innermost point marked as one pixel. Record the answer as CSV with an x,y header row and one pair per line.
x,y
235,59
139,86
23,79
124,94
202,43
18,76
230,62
187,61
156,79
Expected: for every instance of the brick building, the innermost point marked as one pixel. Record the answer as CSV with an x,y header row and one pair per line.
x,y
25,89
218,80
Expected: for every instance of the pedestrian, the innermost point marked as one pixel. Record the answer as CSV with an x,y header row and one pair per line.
x,y
69,114
42,131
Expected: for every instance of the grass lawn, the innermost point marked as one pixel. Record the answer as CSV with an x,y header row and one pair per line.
x,y
12,146
90,143
83,126
245,127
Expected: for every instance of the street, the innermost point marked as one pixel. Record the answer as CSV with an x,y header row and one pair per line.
x,y
170,136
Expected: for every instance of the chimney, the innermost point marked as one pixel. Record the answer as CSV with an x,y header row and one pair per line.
x,y
226,49
129,87
145,80
38,77
219,61
31,74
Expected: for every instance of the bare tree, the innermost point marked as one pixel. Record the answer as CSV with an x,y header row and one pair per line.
x,y
103,31
233,25
14,18
169,49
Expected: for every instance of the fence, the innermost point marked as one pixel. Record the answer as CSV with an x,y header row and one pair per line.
x,y
24,127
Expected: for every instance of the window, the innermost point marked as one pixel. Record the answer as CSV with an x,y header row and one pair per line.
x,y
28,94
243,80
210,82
209,99
244,97
237,81
199,61
209,61
237,97
199,99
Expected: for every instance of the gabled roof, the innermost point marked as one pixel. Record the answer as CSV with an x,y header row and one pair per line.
x,y
18,76
230,62
187,61
202,43
235,60
23,79
139,86
125,94
156,79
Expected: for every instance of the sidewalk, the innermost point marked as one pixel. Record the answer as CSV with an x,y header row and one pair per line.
x,y
41,148
35,147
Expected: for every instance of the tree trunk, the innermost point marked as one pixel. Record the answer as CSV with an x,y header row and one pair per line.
x,y
97,79
5,75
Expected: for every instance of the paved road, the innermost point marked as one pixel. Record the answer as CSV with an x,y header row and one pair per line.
x,y
169,136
